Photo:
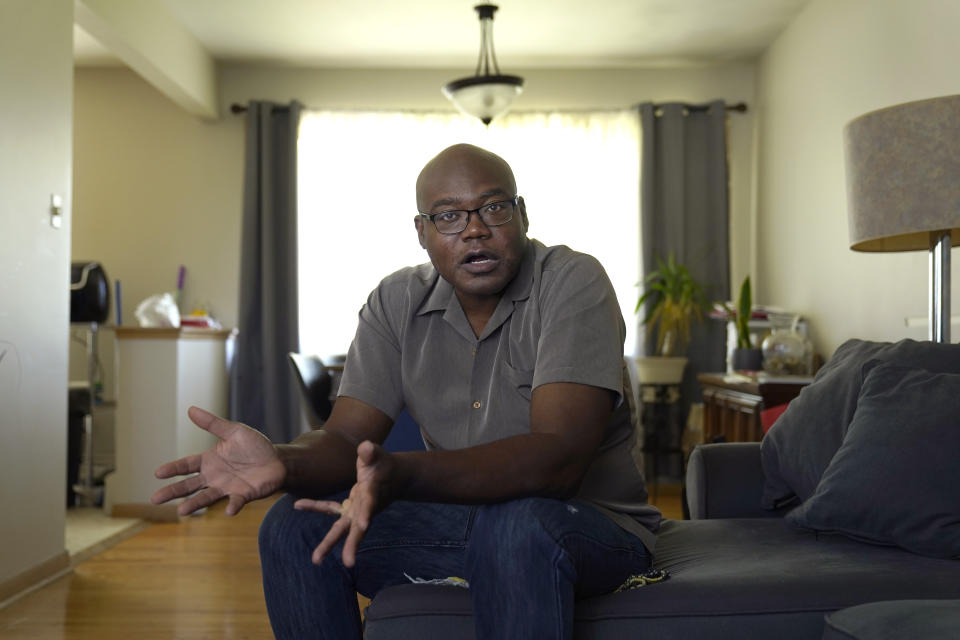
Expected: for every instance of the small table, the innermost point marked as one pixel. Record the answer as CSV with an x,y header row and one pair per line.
x,y
732,403
662,433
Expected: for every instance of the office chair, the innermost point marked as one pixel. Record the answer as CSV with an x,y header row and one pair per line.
x,y
315,385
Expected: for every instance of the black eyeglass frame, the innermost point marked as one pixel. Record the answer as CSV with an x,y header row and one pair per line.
x,y
515,201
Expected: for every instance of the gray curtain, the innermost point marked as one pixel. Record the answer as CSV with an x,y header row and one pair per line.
x,y
684,210
264,392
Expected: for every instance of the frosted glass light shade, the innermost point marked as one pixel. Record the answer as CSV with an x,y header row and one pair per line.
x,y
484,97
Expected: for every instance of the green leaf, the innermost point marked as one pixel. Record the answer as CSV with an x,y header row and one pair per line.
x,y
744,310
674,300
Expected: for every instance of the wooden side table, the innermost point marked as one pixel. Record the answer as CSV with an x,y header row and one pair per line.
x,y
732,403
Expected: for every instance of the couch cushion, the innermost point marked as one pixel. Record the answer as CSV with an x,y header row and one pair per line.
x,y
895,478
896,620
744,578
799,446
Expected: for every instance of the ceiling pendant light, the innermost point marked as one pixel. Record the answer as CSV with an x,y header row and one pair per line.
x,y
486,94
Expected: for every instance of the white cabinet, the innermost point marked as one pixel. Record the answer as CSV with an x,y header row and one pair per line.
x,y
160,374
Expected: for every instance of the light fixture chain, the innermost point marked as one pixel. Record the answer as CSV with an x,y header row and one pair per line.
x,y
482,63
492,51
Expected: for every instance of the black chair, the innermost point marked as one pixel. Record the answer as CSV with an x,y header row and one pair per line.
x,y
315,385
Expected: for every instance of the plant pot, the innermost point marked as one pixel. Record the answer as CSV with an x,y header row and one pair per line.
x,y
747,359
660,369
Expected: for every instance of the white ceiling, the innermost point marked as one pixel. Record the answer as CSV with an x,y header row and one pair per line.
x,y
445,33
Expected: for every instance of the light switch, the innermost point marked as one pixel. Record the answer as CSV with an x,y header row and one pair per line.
x,y
56,211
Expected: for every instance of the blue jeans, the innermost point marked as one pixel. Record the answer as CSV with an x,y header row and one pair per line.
x,y
526,561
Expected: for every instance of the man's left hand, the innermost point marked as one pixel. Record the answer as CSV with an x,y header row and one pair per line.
x,y
368,496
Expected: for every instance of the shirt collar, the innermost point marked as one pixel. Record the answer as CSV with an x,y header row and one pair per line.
x,y
442,297
522,283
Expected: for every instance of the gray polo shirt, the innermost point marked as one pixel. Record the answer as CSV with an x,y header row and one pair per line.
x,y
558,321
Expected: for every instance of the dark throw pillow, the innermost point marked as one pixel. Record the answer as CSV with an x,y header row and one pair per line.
x,y
895,480
799,446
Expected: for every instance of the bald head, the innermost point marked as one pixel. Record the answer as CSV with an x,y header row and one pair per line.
x,y
457,166
483,257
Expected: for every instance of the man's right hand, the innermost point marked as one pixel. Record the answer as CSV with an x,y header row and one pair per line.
x,y
243,466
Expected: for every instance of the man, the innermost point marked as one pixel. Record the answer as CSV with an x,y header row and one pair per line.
x,y
509,356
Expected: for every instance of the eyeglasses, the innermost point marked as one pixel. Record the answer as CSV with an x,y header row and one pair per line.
x,y
455,221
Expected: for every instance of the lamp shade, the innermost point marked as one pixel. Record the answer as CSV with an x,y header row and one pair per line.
x,y
903,175
484,97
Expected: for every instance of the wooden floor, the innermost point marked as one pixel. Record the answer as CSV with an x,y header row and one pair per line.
x,y
196,579
668,498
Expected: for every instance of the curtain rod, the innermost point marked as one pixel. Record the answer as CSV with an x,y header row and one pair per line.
x,y
237,108
740,107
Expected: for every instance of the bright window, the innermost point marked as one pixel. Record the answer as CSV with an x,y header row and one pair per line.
x,y
579,174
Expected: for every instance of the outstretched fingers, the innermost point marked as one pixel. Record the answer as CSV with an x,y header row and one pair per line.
x,y
320,506
357,531
178,489
200,500
211,422
235,504
182,467
336,532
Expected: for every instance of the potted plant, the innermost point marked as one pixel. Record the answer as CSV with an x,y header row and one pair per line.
x,y
676,301
745,356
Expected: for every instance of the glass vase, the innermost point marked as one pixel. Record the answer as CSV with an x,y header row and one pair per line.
x,y
786,351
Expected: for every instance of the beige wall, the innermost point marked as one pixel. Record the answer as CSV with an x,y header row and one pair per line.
x,y
150,39
836,61
35,131
154,188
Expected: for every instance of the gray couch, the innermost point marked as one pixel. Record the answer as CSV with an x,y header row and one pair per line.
x,y
735,572
796,539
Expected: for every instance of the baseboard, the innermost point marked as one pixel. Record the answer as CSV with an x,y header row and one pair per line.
x,y
151,512
34,577
103,545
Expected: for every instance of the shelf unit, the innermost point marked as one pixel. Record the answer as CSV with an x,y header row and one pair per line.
x,y
84,488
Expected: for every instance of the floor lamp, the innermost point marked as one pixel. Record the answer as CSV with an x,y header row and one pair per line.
x,y
903,189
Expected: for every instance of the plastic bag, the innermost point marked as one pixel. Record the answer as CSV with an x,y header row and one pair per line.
x,y
158,310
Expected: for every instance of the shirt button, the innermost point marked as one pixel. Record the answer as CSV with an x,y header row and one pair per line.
x,y
476,405
473,351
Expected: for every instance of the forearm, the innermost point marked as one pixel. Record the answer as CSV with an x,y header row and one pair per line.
x,y
324,461
537,464
568,422
318,463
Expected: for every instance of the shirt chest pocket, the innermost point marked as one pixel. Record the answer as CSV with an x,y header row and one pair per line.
x,y
517,381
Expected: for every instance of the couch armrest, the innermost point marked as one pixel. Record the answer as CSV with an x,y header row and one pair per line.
x,y
725,480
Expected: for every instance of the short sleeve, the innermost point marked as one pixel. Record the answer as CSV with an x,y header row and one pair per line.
x,y
371,372
582,329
